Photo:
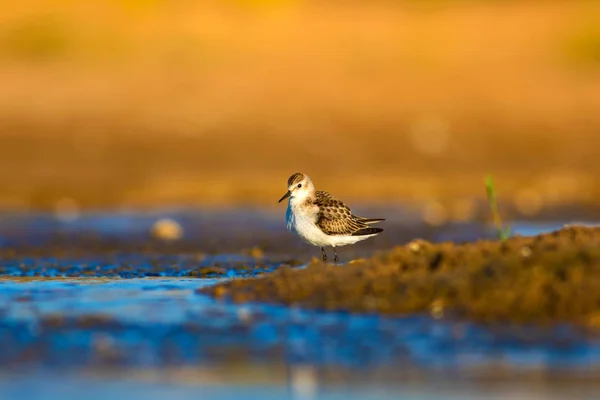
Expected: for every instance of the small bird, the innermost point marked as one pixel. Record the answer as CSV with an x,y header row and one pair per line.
x,y
321,220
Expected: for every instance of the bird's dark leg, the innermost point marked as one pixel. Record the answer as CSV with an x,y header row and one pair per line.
x,y
324,255
335,257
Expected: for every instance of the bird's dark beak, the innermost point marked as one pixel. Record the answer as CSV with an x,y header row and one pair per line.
x,y
285,196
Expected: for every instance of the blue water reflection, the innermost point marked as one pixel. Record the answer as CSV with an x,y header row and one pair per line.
x,y
118,307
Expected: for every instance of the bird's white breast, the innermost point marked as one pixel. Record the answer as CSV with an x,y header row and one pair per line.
x,y
301,221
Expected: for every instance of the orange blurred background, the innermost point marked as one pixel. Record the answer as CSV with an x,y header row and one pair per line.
x,y
135,103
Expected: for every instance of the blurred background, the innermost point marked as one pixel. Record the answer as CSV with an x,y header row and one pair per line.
x,y
150,103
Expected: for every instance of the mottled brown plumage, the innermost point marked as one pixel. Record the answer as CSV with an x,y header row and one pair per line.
x,y
336,218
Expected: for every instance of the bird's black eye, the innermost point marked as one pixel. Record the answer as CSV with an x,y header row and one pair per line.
x,y
299,185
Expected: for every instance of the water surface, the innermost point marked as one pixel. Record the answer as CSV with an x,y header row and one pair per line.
x,y
81,314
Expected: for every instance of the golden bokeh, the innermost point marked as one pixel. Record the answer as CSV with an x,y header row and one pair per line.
x,y
216,103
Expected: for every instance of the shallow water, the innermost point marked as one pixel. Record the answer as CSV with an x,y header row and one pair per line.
x,y
44,387
157,322
154,326
106,322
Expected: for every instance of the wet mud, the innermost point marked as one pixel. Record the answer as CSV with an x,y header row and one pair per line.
x,y
227,244
136,266
544,279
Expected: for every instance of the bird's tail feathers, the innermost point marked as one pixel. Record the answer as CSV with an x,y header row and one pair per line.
x,y
370,220
367,231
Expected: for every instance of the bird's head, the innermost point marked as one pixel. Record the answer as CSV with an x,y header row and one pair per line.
x,y
300,187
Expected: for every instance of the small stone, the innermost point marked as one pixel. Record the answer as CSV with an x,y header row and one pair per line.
x,y
416,245
525,251
256,252
244,315
437,309
167,229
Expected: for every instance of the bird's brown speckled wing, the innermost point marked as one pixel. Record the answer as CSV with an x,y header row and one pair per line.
x,y
322,195
335,218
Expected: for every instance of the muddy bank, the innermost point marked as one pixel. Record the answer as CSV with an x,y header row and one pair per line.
x,y
542,279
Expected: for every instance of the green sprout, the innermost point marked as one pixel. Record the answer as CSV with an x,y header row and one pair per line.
x,y
503,233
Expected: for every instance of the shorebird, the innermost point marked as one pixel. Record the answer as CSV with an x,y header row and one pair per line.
x,y
321,220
